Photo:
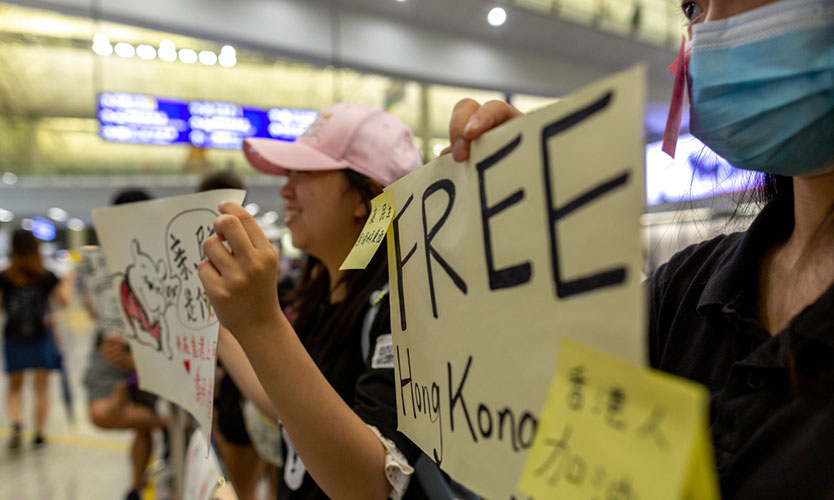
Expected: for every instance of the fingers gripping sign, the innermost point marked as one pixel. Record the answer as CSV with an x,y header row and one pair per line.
x,y
241,281
469,120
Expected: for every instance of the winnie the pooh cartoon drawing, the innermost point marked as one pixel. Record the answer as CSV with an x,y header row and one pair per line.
x,y
145,292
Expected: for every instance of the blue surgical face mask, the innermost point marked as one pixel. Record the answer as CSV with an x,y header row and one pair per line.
x,y
762,87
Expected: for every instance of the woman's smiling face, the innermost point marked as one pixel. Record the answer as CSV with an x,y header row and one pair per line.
x,y
322,211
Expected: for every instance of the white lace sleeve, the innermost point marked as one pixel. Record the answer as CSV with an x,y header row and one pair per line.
x,y
397,469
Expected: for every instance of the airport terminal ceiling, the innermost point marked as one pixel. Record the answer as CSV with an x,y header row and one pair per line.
x,y
50,78
54,65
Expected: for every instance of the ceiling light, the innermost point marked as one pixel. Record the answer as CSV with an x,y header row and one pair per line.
x,y
76,224
187,56
146,52
252,208
9,178
228,49
497,16
103,50
167,51
125,50
101,45
270,217
437,149
208,57
6,216
227,59
57,214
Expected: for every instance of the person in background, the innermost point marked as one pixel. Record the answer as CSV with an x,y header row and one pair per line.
x,y
751,315
114,401
242,463
26,289
335,403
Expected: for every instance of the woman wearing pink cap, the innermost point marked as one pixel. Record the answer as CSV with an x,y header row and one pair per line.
x,y
335,401
751,314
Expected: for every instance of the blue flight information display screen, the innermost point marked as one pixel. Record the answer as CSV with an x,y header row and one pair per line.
x,y
144,119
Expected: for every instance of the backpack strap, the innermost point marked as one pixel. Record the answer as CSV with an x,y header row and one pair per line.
x,y
375,300
433,481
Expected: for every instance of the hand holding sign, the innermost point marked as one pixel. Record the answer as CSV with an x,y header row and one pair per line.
x,y
242,284
470,120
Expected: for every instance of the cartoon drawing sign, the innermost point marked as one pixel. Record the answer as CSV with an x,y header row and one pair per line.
x,y
152,250
146,291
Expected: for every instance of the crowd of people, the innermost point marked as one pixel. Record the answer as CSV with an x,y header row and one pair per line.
x,y
750,315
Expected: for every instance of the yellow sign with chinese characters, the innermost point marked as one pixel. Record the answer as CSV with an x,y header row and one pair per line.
x,y
611,429
373,234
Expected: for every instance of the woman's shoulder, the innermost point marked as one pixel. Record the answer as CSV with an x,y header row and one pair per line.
x,y
696,263
677,288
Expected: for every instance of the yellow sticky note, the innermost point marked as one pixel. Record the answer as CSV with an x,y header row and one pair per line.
x,y
373,234
611,429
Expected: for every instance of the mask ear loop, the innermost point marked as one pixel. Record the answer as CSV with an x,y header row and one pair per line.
x,y
673,120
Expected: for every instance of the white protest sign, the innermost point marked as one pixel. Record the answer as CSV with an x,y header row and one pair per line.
x,y
202,471
97,284
264,432
153,249
493,263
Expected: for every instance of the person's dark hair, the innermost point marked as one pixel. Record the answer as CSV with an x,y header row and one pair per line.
x,y
761,190
771,187
25,265
130,195
224,179
315,288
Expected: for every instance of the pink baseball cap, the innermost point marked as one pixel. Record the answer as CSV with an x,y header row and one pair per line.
x,y
362,138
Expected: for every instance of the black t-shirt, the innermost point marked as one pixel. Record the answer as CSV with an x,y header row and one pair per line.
x,y
376,400
772,396
26,307
370,391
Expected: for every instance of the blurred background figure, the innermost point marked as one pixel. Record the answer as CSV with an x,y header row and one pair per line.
x,y
26,292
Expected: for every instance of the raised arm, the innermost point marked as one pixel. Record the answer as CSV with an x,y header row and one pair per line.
x,y
237,365
340,452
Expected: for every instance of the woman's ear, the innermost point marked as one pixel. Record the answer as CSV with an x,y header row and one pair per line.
x,y
360,210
